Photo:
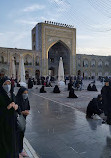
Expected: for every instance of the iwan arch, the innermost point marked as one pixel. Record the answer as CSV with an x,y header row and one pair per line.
x,y
55,41
50,41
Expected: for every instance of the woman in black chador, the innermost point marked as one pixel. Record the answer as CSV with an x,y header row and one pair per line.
x,y
42,90
24,105
8,121
89,88
72,94
94,87
56,89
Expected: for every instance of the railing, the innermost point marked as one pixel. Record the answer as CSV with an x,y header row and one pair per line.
x,y
59,24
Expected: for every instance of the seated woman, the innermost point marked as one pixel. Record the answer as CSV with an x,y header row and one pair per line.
x,y
56,89
89,88
95,106
72,94
42,90
94,88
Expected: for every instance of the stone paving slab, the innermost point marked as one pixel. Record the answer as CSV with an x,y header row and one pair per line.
x,y
57,129
29,150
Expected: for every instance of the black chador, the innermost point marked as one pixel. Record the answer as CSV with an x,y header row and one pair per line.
x,y
69,85
72,94
8,126
56,89
42,90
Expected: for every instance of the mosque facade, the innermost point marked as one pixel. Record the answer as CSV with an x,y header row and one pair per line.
x,y
50,41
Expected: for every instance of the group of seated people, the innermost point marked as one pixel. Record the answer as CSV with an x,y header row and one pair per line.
x,y
101,105
57,90
92,87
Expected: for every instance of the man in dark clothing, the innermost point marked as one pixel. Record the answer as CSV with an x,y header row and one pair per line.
x,y
95,106
106,95
8,121
77,84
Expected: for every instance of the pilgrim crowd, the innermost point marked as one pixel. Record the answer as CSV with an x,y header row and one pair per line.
x,y
14,107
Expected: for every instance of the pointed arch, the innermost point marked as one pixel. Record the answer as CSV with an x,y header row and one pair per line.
x,y
55,51
58,41
28,59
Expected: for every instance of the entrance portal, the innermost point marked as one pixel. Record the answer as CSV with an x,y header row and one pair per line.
x,y
55,52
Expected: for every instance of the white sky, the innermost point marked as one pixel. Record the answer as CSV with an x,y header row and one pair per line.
x,y
91,18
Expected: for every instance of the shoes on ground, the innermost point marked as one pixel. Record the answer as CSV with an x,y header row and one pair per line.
x,y
20,156
24,154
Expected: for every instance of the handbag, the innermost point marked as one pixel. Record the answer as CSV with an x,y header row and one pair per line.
x,y
21,123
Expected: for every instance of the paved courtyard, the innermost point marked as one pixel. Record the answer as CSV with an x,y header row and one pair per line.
x,y
57,127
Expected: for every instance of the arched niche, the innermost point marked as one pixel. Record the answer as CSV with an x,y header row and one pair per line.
x,y
100,63
93,63
85,63
57,50
37,61
3,58
27,59
16,58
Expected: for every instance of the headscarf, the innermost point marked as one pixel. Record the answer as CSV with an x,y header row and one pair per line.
x,y
19,98
4,79
21,91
